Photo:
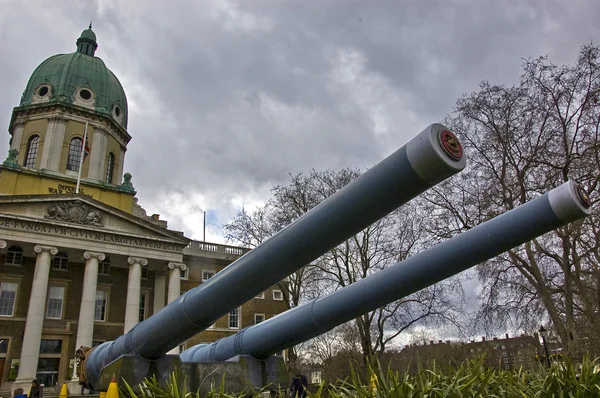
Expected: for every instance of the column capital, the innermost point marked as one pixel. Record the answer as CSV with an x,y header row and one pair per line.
x,y
173,265
100,256
20,123
140,260
41,248
3,244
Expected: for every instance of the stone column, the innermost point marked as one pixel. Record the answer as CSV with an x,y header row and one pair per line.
x,y
132,306
17,134
174,280
97,166
174,288
159,292
85,326
53,143
35,318
119,167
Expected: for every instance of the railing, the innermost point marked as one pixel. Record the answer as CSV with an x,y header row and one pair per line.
x,y
199,247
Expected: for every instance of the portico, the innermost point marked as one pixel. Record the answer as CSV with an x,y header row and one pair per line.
x,y
65,245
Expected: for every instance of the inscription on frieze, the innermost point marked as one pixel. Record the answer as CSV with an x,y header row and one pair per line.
x,y
63,188
74,212
100,236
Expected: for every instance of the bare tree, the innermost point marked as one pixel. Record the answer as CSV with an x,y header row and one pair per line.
x,y
522,141
378,246
421,337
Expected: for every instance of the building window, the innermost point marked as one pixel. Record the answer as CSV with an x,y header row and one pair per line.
x,y
56,295
8,297
143,302
260,296
74,156
315,378
104,267
31,154
234,319
84,93
277,295
144,273
206,275
50,346
43,91
61,261
100,309
258,318
110,165
183,274
14,256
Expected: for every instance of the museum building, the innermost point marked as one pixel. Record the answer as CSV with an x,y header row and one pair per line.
x,y
81,265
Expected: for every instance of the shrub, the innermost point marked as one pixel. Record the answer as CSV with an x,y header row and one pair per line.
x,y
469,379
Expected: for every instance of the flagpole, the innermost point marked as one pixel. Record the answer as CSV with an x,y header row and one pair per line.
x,y
81,158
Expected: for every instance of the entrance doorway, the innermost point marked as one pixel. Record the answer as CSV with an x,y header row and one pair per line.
x,y
49,362
47,372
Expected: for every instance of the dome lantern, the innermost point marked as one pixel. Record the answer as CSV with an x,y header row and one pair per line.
x,y
86,44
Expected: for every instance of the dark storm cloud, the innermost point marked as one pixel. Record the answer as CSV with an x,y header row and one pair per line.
x,y
228,98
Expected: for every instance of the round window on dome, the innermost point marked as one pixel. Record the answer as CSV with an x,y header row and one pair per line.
x,y
43,91
117,111
85,94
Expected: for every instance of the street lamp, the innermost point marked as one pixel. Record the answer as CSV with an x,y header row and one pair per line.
x,y
543,334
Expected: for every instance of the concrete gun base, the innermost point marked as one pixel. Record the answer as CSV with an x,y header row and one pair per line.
x,y
239,374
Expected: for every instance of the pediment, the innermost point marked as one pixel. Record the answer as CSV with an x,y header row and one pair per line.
x,y
85,213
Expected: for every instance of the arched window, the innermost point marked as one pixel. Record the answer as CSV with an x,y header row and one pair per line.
x,y
32,148
14,256
61,261
110,165
74,154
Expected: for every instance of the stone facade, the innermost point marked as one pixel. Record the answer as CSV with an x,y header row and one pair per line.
x,y
68,281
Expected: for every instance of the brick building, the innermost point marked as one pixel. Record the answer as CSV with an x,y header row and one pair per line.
x,y
502,353
80,261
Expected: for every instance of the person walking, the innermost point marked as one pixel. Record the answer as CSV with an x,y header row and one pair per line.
x,y
36,391
299,386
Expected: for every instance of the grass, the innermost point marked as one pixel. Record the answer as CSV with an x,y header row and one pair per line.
x,y
469,379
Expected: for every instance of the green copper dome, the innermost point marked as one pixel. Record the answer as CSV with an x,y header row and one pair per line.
x,y
79,78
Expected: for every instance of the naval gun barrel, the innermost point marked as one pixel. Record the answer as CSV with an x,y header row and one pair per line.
x,y
429,158
560,206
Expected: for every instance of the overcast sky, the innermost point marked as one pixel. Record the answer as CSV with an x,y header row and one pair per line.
x,y
227,98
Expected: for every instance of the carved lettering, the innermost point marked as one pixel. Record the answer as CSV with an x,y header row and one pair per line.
x,y
89,235
63,188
